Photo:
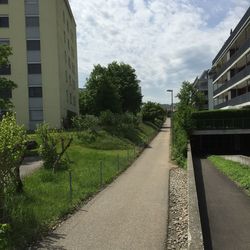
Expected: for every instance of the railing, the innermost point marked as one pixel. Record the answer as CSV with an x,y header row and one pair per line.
x,y
228,41
228,123
239,76
234,101
233,58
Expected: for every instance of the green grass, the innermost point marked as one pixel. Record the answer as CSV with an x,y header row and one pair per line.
x,y
46,197
237,172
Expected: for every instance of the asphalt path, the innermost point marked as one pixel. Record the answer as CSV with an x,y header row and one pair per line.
x,y
131,213
225,209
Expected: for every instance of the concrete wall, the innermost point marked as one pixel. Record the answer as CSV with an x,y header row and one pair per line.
x,y
242,159
195,238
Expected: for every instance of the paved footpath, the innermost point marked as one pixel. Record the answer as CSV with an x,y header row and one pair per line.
x,y
131,213
228,210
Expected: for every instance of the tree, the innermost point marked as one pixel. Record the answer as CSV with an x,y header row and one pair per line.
x,y
125,78
101,93
12,149
190,100
6,86
115,88
153,112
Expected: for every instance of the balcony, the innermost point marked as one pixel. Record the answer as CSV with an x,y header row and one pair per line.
x,y
235,101
233,35
236,78
233,58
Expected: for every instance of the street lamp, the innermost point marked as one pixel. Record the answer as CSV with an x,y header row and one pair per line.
x,y
172,100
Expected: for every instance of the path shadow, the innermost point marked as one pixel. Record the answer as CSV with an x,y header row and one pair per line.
x,y
202,203
49,242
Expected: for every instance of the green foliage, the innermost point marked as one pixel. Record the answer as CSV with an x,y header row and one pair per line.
x,y
235,171
222,114
182,123
153,112
4,236
89,123
5,84
29,213
125,79
53,147
12,149
115,88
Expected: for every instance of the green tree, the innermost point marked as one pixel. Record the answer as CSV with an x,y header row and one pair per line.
x,y
12,149
190,100
125,78
153,112
6,86
115,88
101,93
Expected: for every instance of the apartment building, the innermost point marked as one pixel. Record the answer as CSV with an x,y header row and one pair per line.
x,y
231,69
42,34
203,83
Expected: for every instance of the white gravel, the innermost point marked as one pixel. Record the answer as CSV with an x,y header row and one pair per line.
x,y
177,237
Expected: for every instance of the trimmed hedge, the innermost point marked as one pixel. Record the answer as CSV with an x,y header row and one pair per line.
x,y
222,114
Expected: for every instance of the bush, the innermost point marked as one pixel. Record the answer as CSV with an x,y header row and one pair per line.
x,y
86,123
4,236
12,150
153,112
51,141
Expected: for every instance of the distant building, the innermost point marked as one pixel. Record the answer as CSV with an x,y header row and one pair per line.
x,y
201,83
231,68
42,34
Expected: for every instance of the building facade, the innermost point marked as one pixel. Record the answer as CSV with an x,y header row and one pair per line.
x,y
202,84
42,34
231,69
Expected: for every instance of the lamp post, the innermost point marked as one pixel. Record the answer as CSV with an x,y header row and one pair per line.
x,y
172,101
172,112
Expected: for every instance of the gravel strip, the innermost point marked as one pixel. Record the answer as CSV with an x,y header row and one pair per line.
x,y
177,237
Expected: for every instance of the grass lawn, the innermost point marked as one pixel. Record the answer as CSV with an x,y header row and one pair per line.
x,y
46,197
237,172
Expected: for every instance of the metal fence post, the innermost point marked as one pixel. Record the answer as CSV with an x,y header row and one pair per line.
x,y
101,173
70,185
118,163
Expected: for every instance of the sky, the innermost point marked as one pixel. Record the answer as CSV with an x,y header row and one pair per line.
x,y
165,41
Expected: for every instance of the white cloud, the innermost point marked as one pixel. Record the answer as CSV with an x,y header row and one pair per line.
x,y
165,41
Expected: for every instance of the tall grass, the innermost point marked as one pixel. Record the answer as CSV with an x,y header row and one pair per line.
x,y
46,198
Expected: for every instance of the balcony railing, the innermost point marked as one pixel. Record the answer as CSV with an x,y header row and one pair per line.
x,y
233,58
236,78
229,123
235,101
236,30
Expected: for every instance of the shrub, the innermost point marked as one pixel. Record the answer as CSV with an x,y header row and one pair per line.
x,y
12,149
4,236
54,145
153,112
88,123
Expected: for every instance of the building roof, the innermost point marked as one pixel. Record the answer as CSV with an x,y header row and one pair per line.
x,y
240,26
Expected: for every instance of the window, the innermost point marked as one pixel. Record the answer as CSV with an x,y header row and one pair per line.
x,y
4,41
35,92
34,68
5,70
33,44
32,21
36,115
4,21
3,1
5,93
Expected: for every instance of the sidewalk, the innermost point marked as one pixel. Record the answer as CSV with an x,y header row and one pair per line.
x,y
131,213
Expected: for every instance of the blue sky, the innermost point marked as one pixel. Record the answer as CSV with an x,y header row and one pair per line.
x,y
166,41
